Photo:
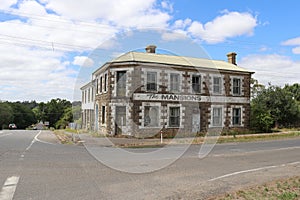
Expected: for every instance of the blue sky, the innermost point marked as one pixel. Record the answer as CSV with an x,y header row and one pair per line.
x,y
48,48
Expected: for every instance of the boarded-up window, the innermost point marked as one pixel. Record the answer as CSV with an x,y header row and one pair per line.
x,y
121,83
151,116
174,82
217,116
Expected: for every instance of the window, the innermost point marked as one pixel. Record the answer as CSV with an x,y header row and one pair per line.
x,y
151,116
217,117
151,81
97,86
196,83
174,82
236,86
105,82
82,96
174,117
121,115
89,95
103,112
121,83
101,84
217,85
236,116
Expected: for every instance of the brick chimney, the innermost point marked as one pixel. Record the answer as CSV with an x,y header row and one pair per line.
x,y
150,49
232,57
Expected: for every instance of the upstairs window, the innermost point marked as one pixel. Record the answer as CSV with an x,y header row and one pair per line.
x,y
196,83
105,82
236,86
151,81
217,85
174,83
101,84
121,83
97,86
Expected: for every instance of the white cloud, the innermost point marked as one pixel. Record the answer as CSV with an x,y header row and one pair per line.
x,y
123,13
273,68
38,51
296,50
230,24
25,76
32,7
174,35
5,4
83,61
182,24
167,5
293,42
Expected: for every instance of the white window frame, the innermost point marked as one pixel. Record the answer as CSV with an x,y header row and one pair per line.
x,y
126,80
101,84
241,117
145,104
181,119
220,85
200,84
212,116
147,81
105,82
171,83
240,87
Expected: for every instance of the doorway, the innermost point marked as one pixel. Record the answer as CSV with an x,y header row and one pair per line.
x,y
196,121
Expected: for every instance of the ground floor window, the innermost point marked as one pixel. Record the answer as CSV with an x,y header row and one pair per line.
x,y
103,112
236,116
121,115
174,117
217,116
151,116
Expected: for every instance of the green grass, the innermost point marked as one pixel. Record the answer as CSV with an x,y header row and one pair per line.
x,y
287,189
271,136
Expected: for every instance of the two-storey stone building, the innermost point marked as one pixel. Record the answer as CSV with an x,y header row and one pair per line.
x,y
142,93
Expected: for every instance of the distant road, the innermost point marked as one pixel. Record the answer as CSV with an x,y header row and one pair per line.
x,y
32,168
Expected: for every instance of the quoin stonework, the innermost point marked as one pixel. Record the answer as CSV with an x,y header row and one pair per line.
x,y
145,93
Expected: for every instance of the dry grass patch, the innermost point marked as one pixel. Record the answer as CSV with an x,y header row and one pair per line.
x,y
285,189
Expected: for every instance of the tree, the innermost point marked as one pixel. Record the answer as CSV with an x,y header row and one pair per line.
x,y
23,116
54,111
274,107
65,119
6,115
295,90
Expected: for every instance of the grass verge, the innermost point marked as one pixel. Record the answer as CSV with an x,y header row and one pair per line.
x,y
284,189
63,137
259,137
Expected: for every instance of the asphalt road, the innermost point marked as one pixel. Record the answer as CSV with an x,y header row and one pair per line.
x,y
34,166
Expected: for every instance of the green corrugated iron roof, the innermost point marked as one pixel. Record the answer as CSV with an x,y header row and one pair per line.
x,y
177,60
